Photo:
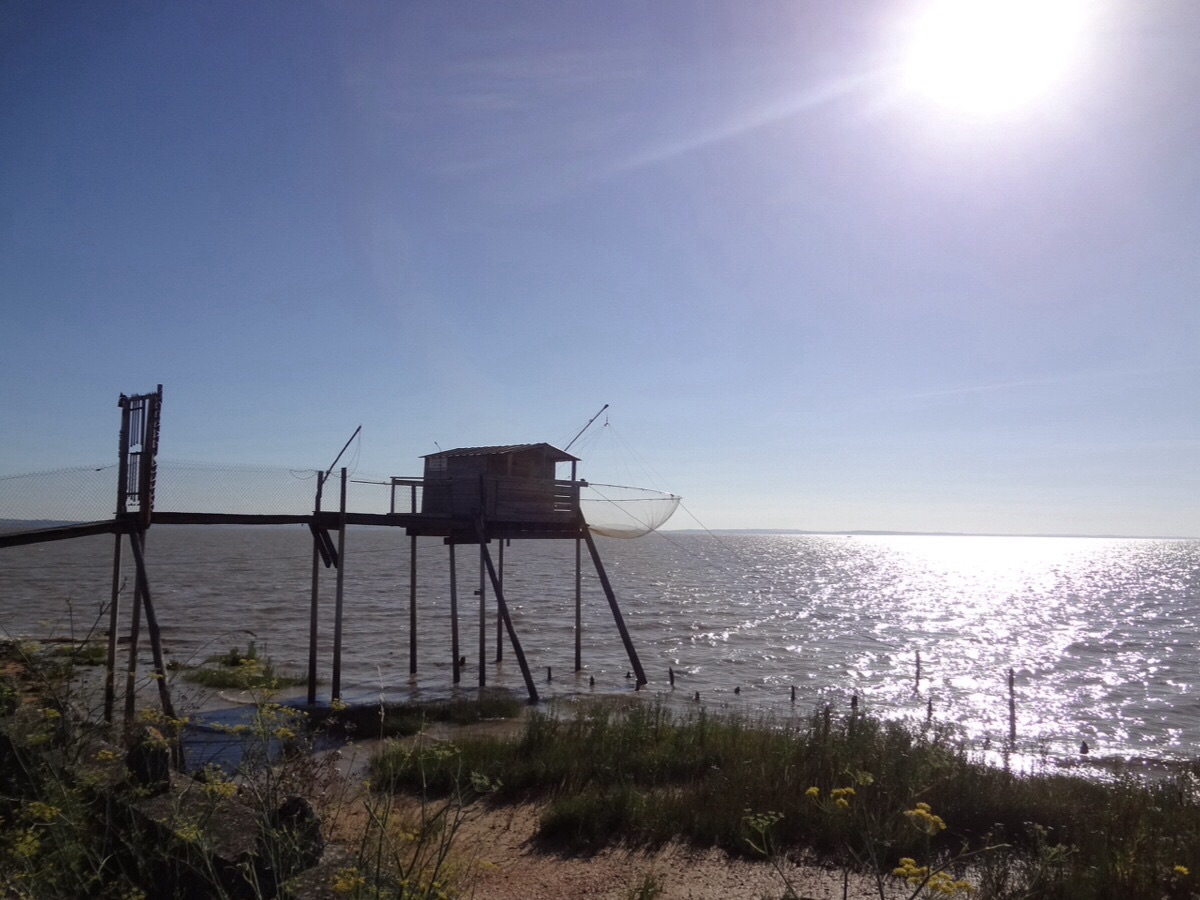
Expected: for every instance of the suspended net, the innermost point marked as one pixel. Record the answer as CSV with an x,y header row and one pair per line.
x,y
625,512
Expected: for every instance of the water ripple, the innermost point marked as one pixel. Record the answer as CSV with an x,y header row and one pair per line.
x,y
1101,635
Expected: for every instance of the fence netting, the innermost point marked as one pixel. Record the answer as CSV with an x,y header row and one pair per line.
x,y
83,494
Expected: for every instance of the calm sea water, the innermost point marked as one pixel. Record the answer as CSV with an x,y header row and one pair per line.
x,y
1103,635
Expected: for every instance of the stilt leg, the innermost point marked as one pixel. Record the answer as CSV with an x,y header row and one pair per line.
x,y
412,606
499,618
578,605
482,616
135,626
512,634
335,689
160,669
313,620
114,610
612,602
457,669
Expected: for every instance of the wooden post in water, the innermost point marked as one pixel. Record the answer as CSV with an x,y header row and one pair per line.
x,y
612,603
312,611
335,688
482,592
457,669
500,602
136,542
114,609
500,618
135,614
412,605
135,625
578,604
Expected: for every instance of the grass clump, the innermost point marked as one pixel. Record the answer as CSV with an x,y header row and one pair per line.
x,y
406,719
241,670
83,653
908,803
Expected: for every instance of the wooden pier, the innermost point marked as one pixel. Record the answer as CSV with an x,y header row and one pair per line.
x,y
473,496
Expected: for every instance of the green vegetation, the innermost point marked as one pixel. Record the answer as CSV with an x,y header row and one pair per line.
x,y
88,810
83,653
238,670
869,795
406,719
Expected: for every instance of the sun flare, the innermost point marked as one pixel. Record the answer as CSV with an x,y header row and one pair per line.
x,y
984,57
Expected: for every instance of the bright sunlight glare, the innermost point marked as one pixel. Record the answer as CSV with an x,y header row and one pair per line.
x,y
986,57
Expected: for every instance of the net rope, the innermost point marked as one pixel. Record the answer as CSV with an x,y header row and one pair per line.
x,y
82,494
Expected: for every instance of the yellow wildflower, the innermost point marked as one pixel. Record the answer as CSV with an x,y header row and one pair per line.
x,y
348,881
223,789
923,820
935,883
813,792
1182,871
26,846
43,812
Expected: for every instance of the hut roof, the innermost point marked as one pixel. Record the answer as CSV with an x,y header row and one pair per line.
x,y
503,449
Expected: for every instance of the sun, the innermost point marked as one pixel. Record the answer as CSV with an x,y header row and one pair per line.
x,y
987,57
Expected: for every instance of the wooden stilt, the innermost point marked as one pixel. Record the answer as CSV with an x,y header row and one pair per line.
x,y
499,618
136,542
457,668
313,620
313,626
135,614
612,603
335,689
412,606
114,610
579,605
512,634
482,616
135,626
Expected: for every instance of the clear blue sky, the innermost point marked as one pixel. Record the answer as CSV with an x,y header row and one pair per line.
x,y
814,295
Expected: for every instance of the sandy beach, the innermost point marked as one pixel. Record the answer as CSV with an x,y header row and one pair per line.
x,y
510,866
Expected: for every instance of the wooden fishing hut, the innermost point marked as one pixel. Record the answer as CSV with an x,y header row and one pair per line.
x,y
477,495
